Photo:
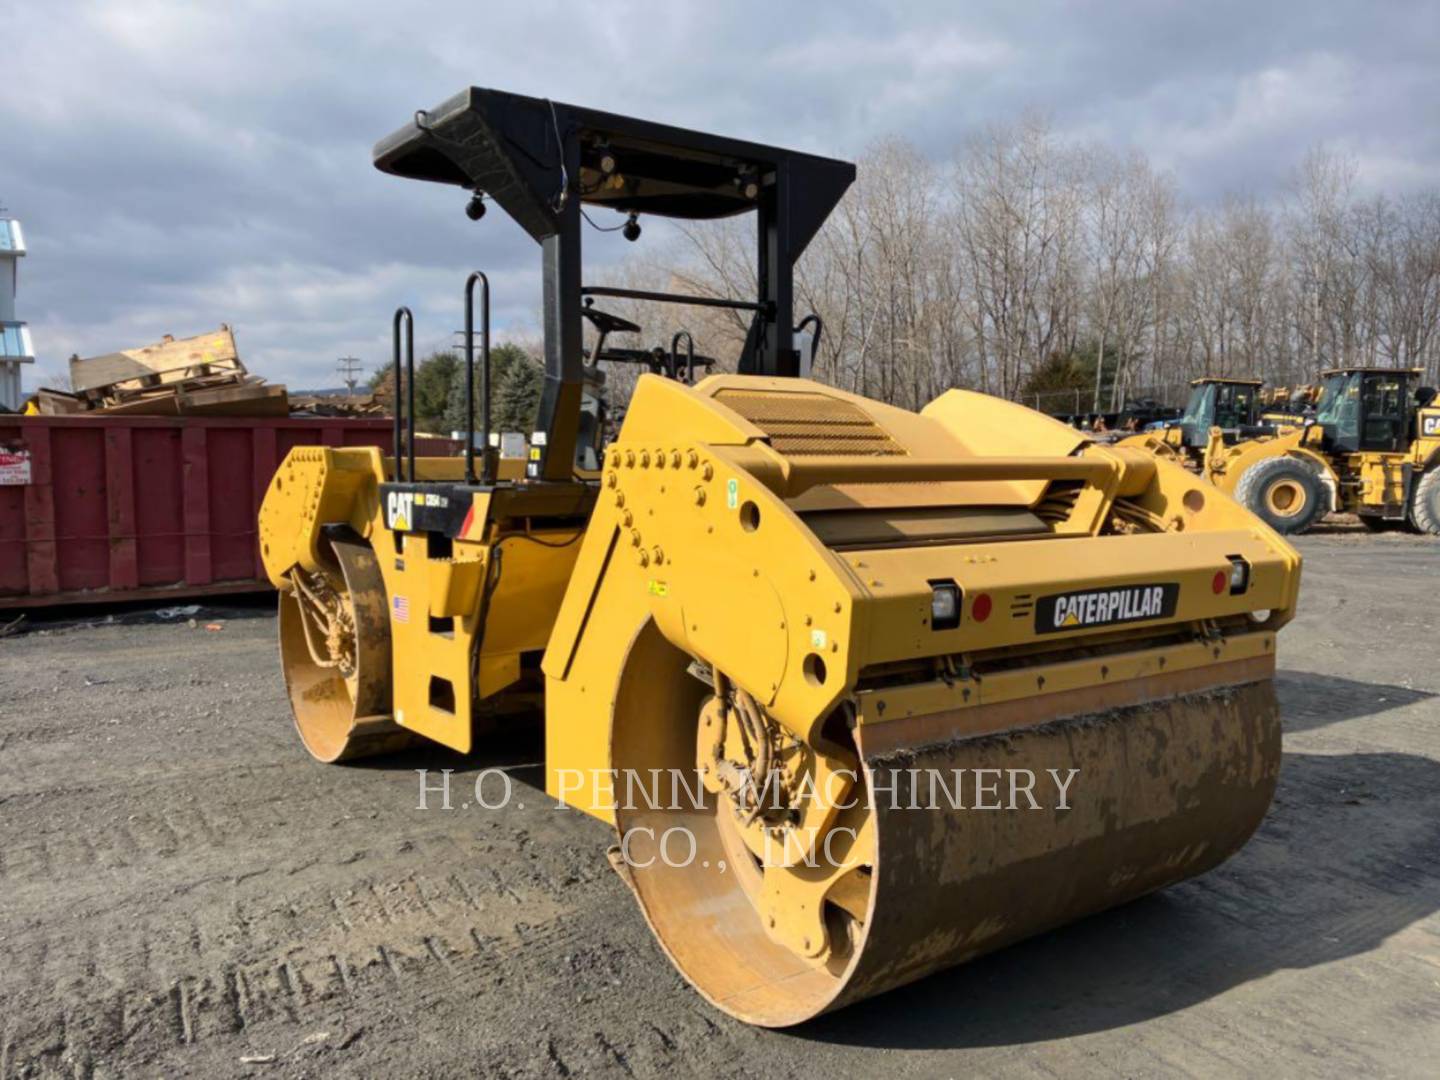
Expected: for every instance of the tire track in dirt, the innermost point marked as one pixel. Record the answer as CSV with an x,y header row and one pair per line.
x,y
182,889
292,957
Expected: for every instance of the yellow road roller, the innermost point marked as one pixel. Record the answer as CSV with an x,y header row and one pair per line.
x,y
924,684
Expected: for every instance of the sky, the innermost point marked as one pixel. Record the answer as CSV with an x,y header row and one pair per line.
x,y
180,165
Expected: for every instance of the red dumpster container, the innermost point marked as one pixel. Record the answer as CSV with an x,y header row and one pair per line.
x,y
123,508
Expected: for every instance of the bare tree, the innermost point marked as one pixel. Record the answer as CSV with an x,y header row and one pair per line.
x,y
1016,223
1161,233
1320,194
1025,252
1403,261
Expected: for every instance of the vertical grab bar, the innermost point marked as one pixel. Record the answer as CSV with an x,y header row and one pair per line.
x,y
404,315
814,337
689,355
487,472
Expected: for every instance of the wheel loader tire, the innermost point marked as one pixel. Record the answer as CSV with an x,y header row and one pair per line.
x,y
1425,506
1283,492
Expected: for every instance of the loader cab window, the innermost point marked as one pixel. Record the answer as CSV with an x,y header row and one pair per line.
x,y
1234,405
1364,410
1339,412
1383,401
1199,415
1201,405
1224,405
1327,407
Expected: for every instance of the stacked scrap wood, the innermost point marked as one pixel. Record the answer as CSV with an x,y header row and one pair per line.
x,y
197,376
337,405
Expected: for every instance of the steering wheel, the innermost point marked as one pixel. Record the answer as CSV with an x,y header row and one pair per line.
x,y
605,323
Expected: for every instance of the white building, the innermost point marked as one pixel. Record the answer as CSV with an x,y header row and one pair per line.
x,y
15,347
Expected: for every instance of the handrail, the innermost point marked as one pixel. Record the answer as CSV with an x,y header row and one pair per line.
x,y
814,338
689,356
487,466
405,315
801,474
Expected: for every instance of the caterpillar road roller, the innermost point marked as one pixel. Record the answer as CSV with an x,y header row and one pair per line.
x,y
856,629
1372,448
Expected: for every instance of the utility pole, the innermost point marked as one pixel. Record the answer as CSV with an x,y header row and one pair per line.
x,y
349,368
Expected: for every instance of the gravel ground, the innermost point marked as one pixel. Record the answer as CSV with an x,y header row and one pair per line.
x,y
182,891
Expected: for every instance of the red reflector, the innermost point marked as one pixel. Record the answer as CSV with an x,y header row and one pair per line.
x,y
981,609
1221,579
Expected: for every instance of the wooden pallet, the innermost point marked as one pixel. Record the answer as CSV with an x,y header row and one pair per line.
x,y
167,361
197,376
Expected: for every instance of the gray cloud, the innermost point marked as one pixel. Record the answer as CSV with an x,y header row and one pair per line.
x,y
179,164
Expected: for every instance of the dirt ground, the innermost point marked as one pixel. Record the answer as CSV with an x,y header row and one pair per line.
x,y
182,891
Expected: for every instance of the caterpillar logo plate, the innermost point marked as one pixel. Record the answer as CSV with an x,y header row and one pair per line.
x,y
1105,607
399,510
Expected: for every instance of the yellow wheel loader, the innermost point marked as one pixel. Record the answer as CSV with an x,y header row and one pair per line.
x,y
865,693
1289,406
1372,449
1229,405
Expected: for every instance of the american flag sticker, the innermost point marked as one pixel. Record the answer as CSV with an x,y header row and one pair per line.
x,y
402,608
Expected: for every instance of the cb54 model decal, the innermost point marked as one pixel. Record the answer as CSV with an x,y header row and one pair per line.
x,y
403,507
1086,608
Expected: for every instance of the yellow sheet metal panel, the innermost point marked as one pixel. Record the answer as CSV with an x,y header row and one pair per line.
x,y
992,426
513,586
704,543
314,485
1146,580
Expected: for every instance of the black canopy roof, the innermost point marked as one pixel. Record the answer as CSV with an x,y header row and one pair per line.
x,y
540,160
514,148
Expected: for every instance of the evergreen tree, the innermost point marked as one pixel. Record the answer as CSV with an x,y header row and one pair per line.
x,y
434,377
1066,380
517,399
514,396
1060,371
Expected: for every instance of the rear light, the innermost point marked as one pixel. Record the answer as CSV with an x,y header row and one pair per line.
x,y
1239,575
945,597
980,609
